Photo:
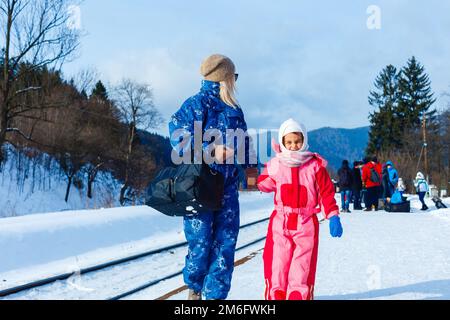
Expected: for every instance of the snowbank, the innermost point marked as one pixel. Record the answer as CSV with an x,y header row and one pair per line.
x,y
58,242
40,186
42,238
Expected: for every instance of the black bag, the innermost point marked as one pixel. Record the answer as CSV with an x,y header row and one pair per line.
x,y
398,207
374,176
187,189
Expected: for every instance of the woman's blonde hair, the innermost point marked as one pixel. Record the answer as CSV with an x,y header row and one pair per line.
x,y
228,91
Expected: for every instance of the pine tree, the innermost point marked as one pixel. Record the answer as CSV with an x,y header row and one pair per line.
x,y
385,132
415,98
100,91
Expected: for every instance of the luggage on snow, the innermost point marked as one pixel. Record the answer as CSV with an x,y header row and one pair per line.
x,y
398,207
438,202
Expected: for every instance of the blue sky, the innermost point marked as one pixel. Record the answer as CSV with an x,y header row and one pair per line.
x,y
314,61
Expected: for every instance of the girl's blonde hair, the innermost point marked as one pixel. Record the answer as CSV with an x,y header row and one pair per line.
x,y
228,91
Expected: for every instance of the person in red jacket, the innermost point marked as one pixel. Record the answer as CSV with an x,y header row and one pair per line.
x,y
371,177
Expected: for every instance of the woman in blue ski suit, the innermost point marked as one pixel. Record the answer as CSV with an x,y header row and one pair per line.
x,y
212,236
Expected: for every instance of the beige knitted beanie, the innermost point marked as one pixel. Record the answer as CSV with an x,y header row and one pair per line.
x,y
217,68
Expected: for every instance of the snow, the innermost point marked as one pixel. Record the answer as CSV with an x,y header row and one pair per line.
x,y
41,245
380,256
39,186
42,238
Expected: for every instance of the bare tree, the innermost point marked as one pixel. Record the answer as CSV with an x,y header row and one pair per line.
x,y
69,143
85,80
409,159
101,138
445,127
36,34
137,110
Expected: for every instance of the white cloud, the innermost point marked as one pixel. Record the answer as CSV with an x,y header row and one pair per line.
x,y
172,81
315,61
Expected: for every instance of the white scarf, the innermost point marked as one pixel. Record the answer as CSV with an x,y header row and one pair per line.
x,y
292,158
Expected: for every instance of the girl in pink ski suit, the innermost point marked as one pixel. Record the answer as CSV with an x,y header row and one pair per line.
x,y
302,189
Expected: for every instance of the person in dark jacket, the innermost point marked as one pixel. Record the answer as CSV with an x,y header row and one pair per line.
x,y
386,184
345,185
212,236
357,185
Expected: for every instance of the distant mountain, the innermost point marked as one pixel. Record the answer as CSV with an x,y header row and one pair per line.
x,y
336,144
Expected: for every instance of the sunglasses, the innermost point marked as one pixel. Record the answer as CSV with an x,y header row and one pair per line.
x,y
236,76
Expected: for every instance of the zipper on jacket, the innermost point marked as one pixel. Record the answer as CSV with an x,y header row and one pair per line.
x,y
296,183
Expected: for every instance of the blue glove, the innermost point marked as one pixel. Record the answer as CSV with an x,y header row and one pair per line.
x,y
335,227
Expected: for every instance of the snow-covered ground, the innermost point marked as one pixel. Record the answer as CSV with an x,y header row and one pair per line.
x,y
381,255
43,245
40,186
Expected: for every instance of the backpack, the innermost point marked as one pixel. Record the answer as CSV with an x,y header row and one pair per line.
x,y
374,176
186,190
345,178
422,186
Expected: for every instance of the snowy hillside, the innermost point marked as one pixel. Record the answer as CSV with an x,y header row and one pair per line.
x,y
381,255
40,186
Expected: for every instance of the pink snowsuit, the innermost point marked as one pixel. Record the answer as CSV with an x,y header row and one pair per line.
x,y
290,252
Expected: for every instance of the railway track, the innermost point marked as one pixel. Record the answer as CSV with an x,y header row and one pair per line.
x,y
155,282
183,288
90,270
